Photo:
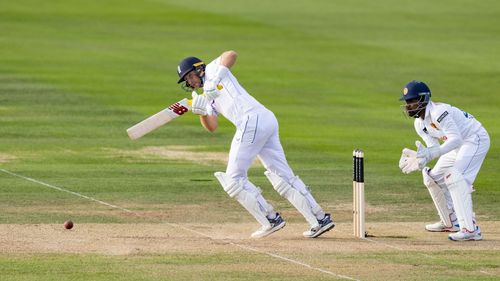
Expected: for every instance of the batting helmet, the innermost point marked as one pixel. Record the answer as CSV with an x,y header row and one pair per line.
x,y
189,64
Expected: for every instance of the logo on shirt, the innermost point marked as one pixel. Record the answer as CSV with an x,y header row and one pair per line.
x,y
468,115
434,126
442,116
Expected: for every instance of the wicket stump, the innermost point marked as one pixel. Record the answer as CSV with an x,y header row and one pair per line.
x,y
358,191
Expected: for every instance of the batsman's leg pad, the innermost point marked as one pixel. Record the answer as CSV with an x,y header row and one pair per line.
x,y
460,192
294,196
247,199
299,185
446,214
266,207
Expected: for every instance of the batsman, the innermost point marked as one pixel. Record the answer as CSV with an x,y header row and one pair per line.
x,y
461,143
256,136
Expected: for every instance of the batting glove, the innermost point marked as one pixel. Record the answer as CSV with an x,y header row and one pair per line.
x,y
199,104
426,154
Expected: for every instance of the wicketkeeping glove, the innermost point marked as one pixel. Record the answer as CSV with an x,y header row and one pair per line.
x,y
199,104
426,154
408,162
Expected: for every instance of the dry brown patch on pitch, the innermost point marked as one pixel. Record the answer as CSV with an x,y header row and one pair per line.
x,y
108,239
184,153
124,239
197,154
4,157
173,152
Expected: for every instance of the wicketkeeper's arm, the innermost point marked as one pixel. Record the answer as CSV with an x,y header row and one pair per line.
x,y
453,136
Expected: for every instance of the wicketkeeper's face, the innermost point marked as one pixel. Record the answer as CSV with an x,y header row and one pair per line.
x,y
414,107
193,80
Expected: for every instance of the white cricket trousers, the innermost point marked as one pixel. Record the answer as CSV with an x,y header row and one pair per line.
x,y
258,136
467,159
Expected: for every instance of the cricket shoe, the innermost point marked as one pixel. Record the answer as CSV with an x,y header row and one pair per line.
x,y
465,235
324,225
440,227
275,224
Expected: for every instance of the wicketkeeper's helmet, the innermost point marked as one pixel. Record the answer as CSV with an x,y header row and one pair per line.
x,y
416,90
189,64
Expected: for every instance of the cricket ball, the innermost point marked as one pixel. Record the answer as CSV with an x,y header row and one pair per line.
x,y
68,224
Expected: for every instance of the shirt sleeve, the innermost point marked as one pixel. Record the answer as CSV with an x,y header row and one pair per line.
x,y
212,67
451,131
215,70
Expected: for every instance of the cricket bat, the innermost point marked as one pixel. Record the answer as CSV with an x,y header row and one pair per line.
x,y
159,119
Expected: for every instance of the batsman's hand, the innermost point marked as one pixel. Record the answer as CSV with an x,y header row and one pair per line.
x,y
199,104
426,154
408,162
211,89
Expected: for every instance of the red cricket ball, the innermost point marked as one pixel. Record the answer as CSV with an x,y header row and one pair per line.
x,y
68,224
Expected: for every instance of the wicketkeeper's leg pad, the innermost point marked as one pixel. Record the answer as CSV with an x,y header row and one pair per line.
x,y
247,199
446,214
294,196
460,192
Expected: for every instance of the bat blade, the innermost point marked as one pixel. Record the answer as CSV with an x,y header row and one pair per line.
x,y
159,119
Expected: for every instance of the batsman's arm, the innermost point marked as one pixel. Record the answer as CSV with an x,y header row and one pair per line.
x,y
228,58
210,122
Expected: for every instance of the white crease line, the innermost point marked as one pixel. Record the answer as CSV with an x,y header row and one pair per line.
x,y
382,243
293,261
65,190
269,254
179,226
397,248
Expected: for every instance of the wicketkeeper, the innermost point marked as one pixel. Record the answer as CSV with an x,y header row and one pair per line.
x,y
461,143
256,136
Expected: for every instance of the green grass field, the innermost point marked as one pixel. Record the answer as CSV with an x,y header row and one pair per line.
x,y
74,75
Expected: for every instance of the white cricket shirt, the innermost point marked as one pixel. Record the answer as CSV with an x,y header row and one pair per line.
x,y
446,123
234,102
